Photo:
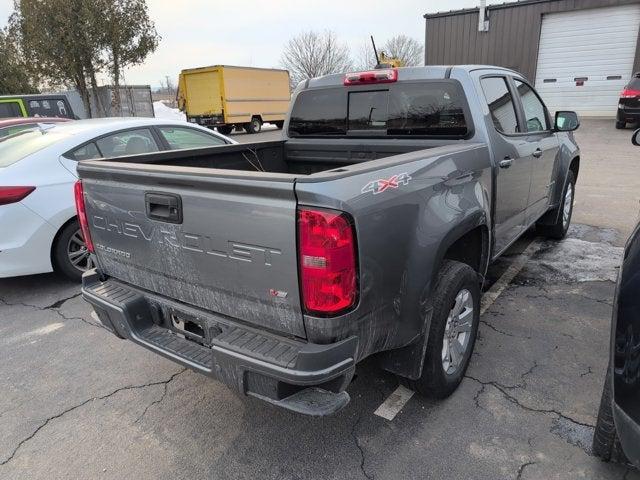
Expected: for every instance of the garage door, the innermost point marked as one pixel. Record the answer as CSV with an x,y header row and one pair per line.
x,y
585,58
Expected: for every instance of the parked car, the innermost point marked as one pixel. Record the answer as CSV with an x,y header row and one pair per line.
x,y
629,103
37,105
276,266
617,434
40,230
9,126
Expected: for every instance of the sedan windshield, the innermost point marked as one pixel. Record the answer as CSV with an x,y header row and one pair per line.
x,y
22,144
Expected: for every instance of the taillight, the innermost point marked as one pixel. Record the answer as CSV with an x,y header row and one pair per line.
x,y
388,75
327,256
626,93
82,214
14,194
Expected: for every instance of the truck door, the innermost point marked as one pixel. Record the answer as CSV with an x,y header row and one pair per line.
x,y
510,150
541,144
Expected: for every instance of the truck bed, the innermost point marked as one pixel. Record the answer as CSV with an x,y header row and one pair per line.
x,y
282,156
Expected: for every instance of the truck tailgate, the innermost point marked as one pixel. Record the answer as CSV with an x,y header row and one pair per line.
x,y
225,244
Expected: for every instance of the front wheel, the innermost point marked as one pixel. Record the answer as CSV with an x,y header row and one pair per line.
x,y
279,124
620,125
559,229
453,330
70,254
225,129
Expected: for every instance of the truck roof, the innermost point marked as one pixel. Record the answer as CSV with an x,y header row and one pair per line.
x,y
429,72
196,69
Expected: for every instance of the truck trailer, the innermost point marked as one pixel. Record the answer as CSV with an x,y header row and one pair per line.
x,y
228,97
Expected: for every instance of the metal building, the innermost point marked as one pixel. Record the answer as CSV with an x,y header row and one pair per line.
x,y
579,53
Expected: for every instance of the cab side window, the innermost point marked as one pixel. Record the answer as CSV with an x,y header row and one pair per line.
x,y
131,142
533,107
501,105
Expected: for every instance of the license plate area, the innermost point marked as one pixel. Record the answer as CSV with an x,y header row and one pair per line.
x,y
189,326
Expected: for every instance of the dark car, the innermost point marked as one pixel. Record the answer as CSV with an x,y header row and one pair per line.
x,y
617,435
629,104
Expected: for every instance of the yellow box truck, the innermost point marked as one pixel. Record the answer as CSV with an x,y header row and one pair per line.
x,y
228,97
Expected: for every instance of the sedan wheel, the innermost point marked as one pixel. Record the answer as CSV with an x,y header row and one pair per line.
x,y
78,253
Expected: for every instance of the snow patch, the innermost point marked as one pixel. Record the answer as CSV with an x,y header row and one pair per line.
x,y
162,111
576,260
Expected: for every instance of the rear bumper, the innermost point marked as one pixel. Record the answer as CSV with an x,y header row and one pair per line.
x,y
628,114
207,121
303,377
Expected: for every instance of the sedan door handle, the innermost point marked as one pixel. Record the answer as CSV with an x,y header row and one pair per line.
x,y
537,153
506,163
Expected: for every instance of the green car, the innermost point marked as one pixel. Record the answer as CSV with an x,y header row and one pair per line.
x,y
35,106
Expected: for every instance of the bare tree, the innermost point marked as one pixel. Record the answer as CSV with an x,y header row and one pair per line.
x,y
407,49
365,57
312,54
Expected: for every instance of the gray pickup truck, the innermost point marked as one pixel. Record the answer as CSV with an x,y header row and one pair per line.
x,y
277,266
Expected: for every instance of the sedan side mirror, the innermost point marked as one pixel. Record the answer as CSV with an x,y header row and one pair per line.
x,y
634,138
566,121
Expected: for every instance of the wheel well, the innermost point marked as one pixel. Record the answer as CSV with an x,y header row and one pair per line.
x,y
57,235
471,249
575,167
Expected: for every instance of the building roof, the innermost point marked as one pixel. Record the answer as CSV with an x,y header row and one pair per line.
x,y
496,6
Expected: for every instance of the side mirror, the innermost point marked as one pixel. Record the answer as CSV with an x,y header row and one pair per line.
x,y
634,138
566,121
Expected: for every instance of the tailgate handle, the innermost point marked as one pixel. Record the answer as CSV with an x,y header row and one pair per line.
x,y
165,207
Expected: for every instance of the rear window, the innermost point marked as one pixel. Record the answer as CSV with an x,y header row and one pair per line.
x,y
430,108
10,109
18,146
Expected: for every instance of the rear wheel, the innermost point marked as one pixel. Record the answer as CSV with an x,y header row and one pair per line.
x,y
225,129
254,126
452,334
606,444
70,254
620,125
559,229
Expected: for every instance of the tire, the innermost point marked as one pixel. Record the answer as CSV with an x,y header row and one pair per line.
x,y
225,129
279,124
559,229
254,126
439,380
606,444
66,251
620,125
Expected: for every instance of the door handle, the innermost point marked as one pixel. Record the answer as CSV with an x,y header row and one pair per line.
x,y
537,153
165,207
506,163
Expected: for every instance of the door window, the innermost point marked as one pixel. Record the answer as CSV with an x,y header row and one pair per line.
x,y
130,142
10,109
534,111
501,106
179,138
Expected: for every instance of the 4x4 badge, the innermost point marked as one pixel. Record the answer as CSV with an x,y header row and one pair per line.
x,y
382,184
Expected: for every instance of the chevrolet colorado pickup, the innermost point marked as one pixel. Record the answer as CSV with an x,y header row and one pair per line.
x,y
275,267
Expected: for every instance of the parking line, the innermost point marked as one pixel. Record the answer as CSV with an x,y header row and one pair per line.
x,y
394,403
507,277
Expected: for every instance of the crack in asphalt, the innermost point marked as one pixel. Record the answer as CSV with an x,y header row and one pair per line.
x,y
522,468
162,396
502,332
547,411
79,405
55,308
588,372
356,440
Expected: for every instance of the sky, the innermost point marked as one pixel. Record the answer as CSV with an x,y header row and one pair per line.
x,y
253,33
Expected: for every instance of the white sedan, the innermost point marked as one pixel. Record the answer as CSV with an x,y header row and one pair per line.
x,y
39,231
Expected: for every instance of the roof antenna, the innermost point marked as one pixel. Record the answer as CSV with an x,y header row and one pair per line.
x,y
375,52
